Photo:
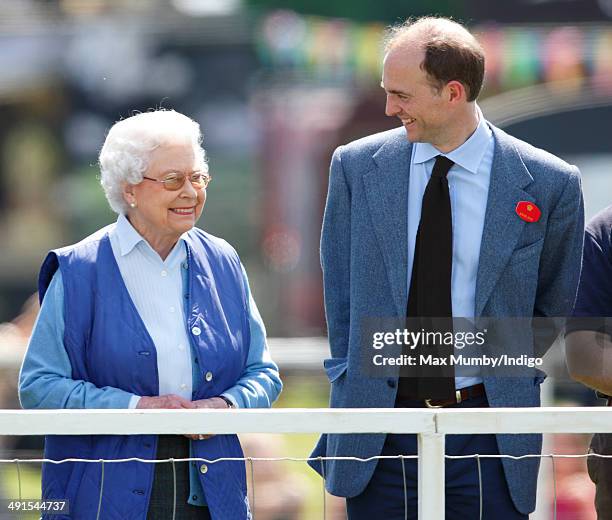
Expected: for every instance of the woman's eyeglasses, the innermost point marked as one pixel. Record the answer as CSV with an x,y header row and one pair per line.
x,y
175,180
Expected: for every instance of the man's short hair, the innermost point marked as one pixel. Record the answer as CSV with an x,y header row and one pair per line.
x,y
452,53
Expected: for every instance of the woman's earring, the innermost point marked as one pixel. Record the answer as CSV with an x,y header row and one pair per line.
x,y
132,204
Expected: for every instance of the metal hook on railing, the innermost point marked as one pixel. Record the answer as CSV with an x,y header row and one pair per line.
x,y
405,488
552,458
101,490
479,484
250,459
323,481
173,490
18,477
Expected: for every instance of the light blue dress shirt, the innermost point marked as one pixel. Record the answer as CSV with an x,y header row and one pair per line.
x,y
46,374
468,182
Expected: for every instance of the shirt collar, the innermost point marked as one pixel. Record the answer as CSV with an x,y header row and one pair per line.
x,y
128,237
468,155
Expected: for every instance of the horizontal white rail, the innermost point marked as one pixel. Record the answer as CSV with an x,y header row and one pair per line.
x,y
308,420
289,420
431,425
596,419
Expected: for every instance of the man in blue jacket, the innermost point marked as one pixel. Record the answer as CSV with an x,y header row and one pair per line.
x,y
446,216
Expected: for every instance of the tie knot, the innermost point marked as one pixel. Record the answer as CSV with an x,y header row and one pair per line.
x,y
442,166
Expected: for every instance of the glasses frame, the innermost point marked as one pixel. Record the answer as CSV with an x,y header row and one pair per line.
x,y
206,178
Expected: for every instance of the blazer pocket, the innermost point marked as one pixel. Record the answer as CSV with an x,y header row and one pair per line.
x,y
335,367
525,253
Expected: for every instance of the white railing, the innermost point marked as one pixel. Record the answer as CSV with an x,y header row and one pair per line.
x,y
430,425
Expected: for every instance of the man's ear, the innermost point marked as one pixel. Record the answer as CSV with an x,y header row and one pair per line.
x,y
456,91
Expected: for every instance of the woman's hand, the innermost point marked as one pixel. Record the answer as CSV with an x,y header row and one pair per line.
x,y
170,401
213,402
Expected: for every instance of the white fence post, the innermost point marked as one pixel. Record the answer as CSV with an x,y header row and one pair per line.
x,y
544,500
431,476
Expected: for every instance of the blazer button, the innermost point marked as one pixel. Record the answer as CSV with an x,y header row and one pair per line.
x,y
391,383
208,376
196,331
203,468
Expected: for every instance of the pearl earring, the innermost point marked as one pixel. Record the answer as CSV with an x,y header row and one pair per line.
x,y
132,204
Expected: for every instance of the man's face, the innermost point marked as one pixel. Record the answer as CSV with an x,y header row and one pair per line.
x,y
411,97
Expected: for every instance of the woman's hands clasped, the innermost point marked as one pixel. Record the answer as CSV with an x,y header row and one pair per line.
x,y
170,401
175,402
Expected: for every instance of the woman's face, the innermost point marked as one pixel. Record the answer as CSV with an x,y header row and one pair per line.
x,y
160,214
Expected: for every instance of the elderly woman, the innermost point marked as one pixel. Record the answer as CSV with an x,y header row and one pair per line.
x,y
149,312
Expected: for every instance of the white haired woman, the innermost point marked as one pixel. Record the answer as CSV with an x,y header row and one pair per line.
x,y
149,312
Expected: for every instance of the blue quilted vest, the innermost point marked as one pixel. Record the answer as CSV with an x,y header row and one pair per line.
x,y
108,345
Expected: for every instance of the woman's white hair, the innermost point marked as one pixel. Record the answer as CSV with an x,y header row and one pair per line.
x,y
124,158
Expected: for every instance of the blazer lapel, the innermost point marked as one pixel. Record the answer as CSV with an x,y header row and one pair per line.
x,y
502,227
387,194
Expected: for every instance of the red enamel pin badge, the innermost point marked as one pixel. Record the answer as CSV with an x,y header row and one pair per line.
x,y
528,211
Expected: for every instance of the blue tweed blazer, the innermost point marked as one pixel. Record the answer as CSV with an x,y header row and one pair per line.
x,y
525,269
